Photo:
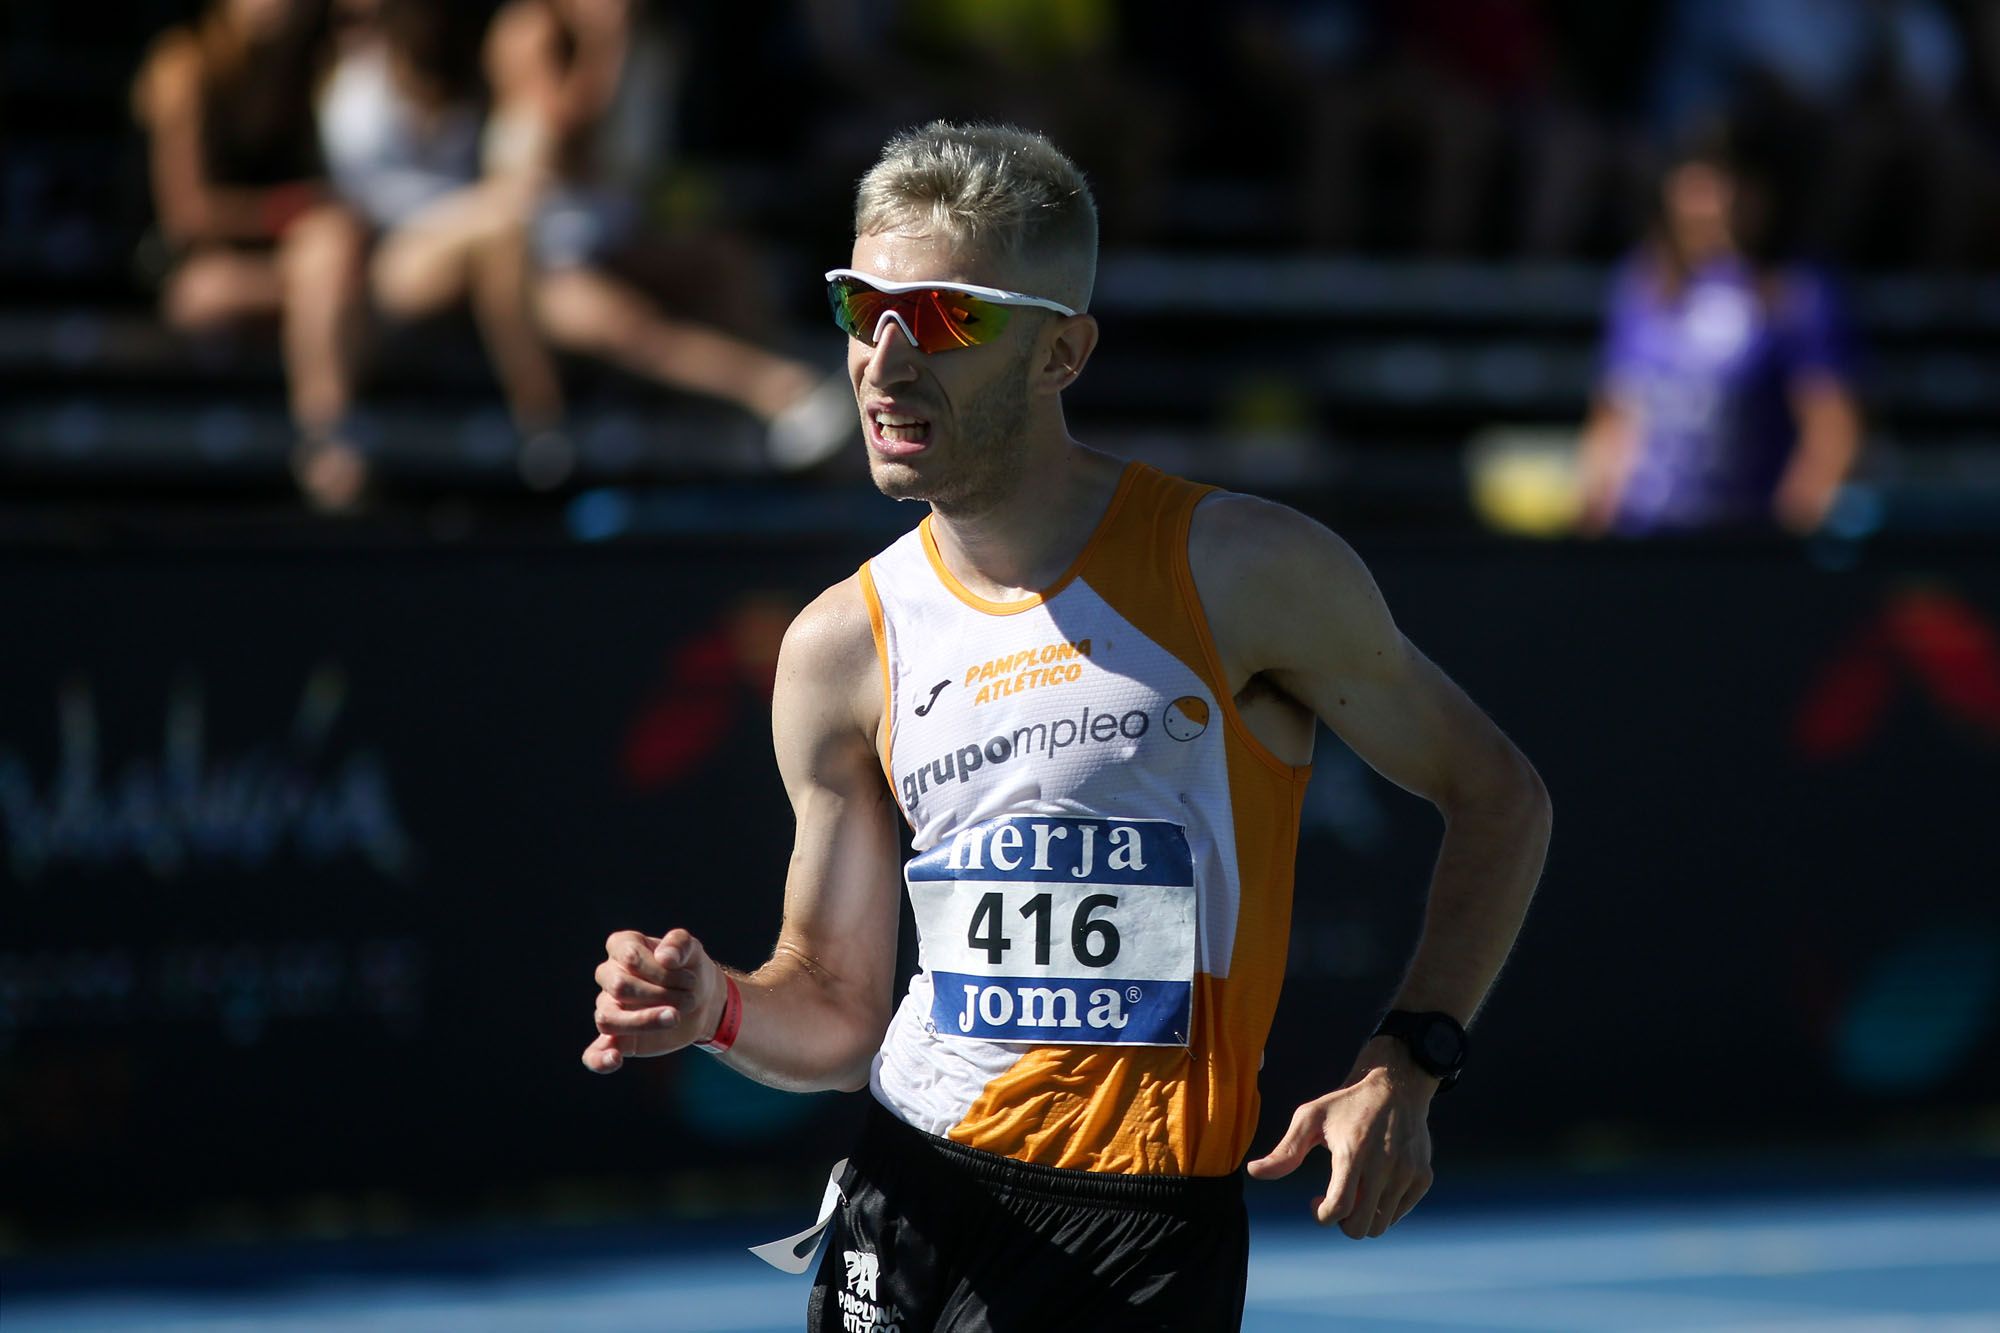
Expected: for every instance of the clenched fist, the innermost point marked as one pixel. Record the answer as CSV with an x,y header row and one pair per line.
x,y
655,996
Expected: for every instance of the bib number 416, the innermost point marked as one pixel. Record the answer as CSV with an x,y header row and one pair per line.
x,y
1093,940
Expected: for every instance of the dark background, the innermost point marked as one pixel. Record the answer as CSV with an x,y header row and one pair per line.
x,y
311,851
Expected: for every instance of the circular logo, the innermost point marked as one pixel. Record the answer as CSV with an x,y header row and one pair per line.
x,y
1186,718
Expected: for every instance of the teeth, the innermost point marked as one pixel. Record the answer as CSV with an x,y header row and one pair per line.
x,y
888,419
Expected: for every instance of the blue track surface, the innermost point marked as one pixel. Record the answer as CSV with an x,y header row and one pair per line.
x,y
1875,1262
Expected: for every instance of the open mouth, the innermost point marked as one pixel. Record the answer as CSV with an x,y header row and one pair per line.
x,y
898,432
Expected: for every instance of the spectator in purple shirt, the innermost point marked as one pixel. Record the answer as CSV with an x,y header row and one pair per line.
x,y
1725,399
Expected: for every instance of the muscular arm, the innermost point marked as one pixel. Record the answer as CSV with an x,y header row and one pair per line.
x,y
814,1014
1292,605
1304,614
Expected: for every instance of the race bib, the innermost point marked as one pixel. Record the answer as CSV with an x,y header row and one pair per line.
x,y
1060,930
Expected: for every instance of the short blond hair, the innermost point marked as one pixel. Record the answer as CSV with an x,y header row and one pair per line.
x,y
1004,192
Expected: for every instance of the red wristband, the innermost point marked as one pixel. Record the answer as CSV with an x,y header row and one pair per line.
x,y
732,1021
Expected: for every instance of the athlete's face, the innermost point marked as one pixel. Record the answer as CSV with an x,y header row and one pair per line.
x,y
948,427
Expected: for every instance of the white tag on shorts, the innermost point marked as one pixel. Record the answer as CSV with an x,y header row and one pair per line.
x,y
1061,930
794,1254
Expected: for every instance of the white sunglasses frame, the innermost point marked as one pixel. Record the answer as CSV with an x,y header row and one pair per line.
x,y
996,295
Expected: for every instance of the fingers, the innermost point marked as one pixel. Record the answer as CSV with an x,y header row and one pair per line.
x,y
642,972
602,1056
1301,1137
1375,1208
615,1020
678,950
648,988
1380,1167
1389,1216
634,953
1343,1187
631,991
1359,1220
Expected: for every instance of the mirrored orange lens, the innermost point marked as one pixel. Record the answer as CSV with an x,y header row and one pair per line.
x,y
939,318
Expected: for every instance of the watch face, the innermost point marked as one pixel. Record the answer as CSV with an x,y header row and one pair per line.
x,y
1441,1046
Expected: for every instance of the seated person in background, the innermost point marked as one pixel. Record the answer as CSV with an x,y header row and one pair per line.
x,y
252,233
399,125
1725,401
578,98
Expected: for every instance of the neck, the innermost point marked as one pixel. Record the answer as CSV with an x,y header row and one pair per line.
x,y
1025,540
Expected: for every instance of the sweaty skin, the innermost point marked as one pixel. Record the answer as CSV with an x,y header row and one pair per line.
x,y
1303,634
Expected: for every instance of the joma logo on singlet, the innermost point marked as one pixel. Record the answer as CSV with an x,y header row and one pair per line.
x,y
1086,728
1041,1007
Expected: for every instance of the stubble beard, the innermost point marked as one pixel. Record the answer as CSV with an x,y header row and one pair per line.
x,y
985,463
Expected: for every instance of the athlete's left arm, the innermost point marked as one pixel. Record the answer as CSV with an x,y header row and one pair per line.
x,y
1291,603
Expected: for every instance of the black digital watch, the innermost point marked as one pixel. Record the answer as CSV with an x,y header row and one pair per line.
x,y
1436,1040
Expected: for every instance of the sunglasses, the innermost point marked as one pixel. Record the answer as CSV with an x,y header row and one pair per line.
x,y
934,316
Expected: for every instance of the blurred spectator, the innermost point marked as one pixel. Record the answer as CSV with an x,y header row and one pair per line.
x,y
248,229
1725,399
1905,178
1396,111
399,122
578,96
1870,96
1057,66
1585,159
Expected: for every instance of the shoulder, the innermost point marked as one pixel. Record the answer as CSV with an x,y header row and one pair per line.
x,y
1278,586
522,30
169,76
826,709
1237,541
828,663
834,630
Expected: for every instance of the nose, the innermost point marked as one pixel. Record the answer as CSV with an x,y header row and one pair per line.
x,y
894,358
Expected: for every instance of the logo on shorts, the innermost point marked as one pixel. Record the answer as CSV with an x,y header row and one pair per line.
x,y
862,1270
859,1308
1186,717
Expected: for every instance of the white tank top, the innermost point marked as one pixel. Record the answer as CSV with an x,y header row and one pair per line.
x,y
385,155
1103,868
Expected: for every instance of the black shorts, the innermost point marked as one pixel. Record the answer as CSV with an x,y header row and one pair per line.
x,y
937,1236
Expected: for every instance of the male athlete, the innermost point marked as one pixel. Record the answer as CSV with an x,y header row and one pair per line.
x,y
1091,689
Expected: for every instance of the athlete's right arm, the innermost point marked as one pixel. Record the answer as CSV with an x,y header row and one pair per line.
x,y
813,1016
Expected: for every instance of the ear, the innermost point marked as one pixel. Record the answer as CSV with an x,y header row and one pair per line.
x,y
1071,340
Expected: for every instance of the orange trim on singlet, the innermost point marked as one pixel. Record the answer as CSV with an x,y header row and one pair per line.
x,y
1088,1108
1032,600
1155,1110
1170,611
1184,576
1266,806
1158,1111
879,628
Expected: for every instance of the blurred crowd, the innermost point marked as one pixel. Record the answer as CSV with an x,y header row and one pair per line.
x,y
332,164
338,165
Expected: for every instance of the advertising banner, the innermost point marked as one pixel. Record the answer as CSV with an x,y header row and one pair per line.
x,y
308,856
